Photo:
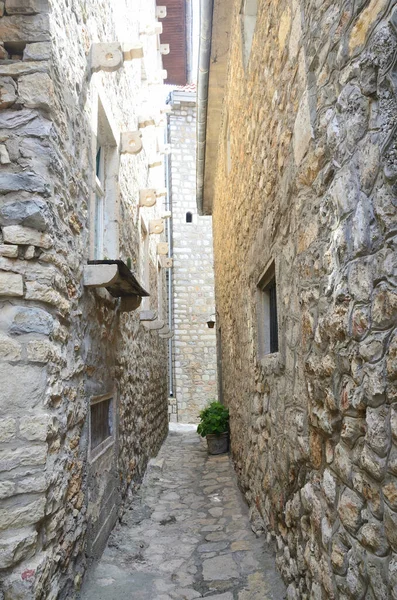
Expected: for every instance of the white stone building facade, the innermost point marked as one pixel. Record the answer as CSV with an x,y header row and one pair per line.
x,y
83,392
194,344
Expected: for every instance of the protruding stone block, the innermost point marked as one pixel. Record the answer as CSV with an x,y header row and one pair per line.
x,y
132,51
130,303
37,51
166,336
106,57
164,49
156,226
131,142
8,250
11,284
145,121
153,325
147,315
161,192
164,330
36,91
166,262
147,198
166,109
152,29
162,249
32,213
167,214
8,92
161,12
165,149
154,162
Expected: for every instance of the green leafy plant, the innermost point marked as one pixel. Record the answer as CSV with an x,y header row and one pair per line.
x,y
214,418
129,263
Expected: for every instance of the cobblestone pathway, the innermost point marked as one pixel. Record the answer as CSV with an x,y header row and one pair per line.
x,y
186,535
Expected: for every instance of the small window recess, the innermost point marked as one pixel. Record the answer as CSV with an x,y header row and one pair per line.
x,y
101,425
268,338
249,11
144,263
189,217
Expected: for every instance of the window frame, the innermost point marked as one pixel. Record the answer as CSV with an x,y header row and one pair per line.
x,y
104,445
247,31
267,318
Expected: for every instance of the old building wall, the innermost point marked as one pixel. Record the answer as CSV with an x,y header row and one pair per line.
x,y
63,344
193,274
306,178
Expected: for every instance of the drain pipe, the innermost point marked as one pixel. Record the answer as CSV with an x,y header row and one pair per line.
x,y
168,207
206,12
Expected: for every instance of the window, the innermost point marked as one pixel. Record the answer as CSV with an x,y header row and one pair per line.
x,y
101,424
104,235
189,217
160,291
248,22
267,313
99,202
144,264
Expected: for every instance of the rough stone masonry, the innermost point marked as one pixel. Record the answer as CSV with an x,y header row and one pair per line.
x,y
74,368
193,272
306,179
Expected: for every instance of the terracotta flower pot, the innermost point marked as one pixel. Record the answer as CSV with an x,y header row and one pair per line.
x,y
217,443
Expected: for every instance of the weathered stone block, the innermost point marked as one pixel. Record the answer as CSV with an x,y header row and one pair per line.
x,y
11,458
27,7
391,527
26,236
25,384
9,349
31,320
384,306
16,69
37,51
372,463
378,430
8,92
29,213
18,28
21,513
36,91
11,284
8,429
44,293
349,510
27,182
34,428
16,545
9,251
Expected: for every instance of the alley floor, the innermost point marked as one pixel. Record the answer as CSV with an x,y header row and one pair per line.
x,y
186,535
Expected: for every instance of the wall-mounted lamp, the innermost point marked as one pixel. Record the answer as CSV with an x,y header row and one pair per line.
x,y
211,322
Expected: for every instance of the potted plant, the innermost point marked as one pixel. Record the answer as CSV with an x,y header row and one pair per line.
x,y
214,425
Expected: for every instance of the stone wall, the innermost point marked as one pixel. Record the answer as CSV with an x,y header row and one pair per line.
x,y
310,183
60,343
193,274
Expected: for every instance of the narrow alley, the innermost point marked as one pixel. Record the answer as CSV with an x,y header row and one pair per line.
x,y
186,535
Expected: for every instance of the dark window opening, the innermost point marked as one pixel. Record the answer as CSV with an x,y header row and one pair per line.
x,y
267,314
189,217
101,421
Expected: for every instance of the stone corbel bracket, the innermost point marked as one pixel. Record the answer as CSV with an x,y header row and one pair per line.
x,y
147,198
131,142
155,162
165,149
106,57
166,262
164,49
145,121
153,325
161,192
147,315
156,226
158,78
162,248
166,109
154,28
132,51
166,336
161,12
164,330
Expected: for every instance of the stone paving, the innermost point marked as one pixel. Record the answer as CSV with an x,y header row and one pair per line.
x,y
186,535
